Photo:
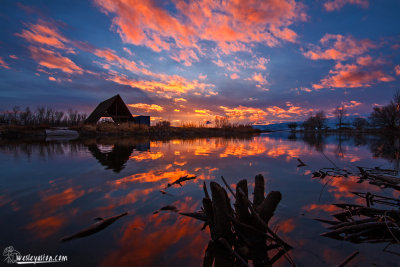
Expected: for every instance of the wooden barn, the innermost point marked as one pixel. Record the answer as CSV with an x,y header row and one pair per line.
x,y
115,108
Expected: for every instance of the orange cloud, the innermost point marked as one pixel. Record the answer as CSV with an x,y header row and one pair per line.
x,y
202,77
147,107
52,79
54,60
290,111
3,64
169,84
13,57
259,78
351,76
338,4
339,47
185,56
234,76
351,104
242,113
397,69
231,25
45,34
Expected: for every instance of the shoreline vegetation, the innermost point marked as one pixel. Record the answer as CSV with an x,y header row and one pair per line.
x,y
159,131
384,120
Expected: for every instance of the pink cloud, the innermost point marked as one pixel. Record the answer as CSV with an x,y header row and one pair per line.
x,y
231,25
339,47
397,69
54,60
3,64
351,104
351,76
338,4
234,76
167,86
44,33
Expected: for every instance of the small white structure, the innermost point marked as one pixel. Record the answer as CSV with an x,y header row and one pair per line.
x,y
105,120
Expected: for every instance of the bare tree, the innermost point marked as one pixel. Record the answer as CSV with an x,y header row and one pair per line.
x,y
320,119
292,126
340,112
360,123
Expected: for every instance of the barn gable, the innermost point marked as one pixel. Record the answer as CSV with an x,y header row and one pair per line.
x,y
113,107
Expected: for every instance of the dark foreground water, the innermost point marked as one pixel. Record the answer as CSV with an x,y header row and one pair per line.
x,y
51,189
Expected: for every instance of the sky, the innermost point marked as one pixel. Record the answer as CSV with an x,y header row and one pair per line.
x,y
253,61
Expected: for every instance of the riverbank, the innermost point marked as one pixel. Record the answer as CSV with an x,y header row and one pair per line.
x,y
125,129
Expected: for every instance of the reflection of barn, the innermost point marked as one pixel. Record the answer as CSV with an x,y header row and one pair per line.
x,y
114,154
117,110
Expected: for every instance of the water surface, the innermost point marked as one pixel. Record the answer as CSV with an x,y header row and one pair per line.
x,y
50,189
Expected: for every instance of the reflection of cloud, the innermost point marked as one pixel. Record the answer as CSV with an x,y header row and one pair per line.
x,y
152,177
46,227
147,156
158,235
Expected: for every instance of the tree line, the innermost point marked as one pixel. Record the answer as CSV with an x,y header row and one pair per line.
x,y
383,117
42,116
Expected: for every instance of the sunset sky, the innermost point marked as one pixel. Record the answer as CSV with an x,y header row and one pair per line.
x,y
188,61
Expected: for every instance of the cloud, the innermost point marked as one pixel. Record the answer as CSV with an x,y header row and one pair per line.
x,y
397,69
13,57
3,64
202,76
231,25
245,113
234,76
169,85
338,4
44,33
351,104
52,79
351,76
185,56
339,47
54,60
289,111
259,78
147,107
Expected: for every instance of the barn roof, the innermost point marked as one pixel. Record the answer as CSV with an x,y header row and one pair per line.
x,y
113,107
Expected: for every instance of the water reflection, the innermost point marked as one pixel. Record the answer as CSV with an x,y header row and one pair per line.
x,y
51,189
113,153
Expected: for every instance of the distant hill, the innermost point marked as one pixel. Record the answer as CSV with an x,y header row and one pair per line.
x,y
330,122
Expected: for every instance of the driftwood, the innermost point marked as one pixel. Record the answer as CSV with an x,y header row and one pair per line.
x,y
348,259
240,235
180,180
98,226
362,223
375,225
168,207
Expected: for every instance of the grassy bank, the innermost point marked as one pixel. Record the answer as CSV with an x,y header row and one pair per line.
x,y
162,131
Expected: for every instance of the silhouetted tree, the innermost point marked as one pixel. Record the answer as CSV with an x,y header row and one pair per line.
x,y
293,126
340,112
316,122
387,116
360,123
